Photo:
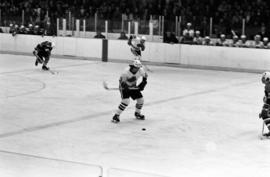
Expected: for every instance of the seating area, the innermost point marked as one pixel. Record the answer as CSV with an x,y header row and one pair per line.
x,y
39,17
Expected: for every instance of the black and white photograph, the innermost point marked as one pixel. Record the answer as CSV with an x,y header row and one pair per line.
x,y
134,88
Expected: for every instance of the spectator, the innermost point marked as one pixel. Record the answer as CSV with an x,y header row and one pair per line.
x,y
222,41
22,30
243,41
263,33
123,36
234,42
197,39
99,35
30,29
207,41
13,29
169,37
257,43
266,44
188,34
226,14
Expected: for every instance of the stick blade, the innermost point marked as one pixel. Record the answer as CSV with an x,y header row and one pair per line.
x,y
105,85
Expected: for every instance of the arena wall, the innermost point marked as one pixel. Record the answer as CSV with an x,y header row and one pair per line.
x,y
208,57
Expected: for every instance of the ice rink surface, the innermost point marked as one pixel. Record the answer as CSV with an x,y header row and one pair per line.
x,y
199,123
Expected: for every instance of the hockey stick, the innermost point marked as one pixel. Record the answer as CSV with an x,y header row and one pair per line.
x,y
106,87
147,68
232,31
263,128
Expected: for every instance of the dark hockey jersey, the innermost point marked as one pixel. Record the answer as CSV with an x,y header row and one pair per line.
x,y
44,48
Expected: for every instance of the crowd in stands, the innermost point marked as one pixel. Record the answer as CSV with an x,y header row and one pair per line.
x,y
192,37
40,16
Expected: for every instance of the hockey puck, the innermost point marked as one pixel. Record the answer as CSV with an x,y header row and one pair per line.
x,y
143,129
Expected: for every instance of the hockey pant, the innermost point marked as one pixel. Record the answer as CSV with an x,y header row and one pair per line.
x,y
265,115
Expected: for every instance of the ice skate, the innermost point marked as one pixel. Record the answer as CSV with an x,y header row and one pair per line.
x,y
267,134
36,63
139,116
45,68
115,118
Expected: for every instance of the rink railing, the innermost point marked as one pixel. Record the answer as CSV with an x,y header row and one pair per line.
x,y
209,57
46,166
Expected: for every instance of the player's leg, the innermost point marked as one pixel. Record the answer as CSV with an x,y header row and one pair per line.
x,y
122,106
265,115
267,123
44,67
39,58
137,95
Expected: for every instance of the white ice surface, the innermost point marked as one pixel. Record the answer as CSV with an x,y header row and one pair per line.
x,y
199,123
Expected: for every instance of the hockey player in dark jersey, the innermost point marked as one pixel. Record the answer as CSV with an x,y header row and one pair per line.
x,y
128,88
43,52
265,113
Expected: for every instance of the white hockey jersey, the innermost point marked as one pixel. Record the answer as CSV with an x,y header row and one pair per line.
x,y
131,79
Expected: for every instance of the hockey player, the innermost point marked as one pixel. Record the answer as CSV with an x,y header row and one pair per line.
x,y
265,113
137,44
43,52
128,88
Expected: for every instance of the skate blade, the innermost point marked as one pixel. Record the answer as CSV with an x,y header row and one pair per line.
x,y
139,118
264,137
115,121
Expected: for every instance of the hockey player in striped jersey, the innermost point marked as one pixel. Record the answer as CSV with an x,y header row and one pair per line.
x,y
137,45
128,88
265,113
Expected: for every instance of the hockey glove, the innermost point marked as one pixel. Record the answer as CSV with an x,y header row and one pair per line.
x,y
143,84
124,85
35,52
141,46
129,41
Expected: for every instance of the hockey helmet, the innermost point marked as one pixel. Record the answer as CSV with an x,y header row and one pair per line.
x,y
143,38
266,77
235,37
222,36
265,39
243,36
137,64
53,44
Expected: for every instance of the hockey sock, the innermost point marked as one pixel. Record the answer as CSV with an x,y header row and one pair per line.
x,y
267,123
139,105
124,103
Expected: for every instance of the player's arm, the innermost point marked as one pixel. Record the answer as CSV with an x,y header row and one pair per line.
x,y
123,82
143,83
37,49
130,39
141,46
